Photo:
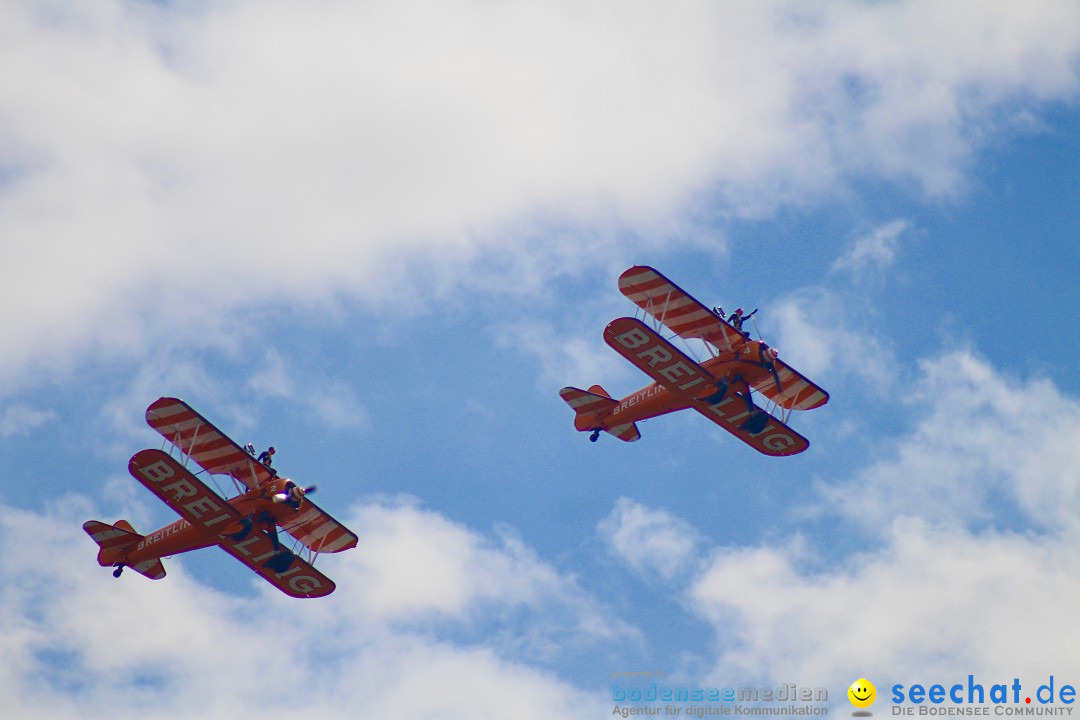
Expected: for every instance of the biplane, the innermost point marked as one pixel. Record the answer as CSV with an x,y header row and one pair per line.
x,y
720,387
243,522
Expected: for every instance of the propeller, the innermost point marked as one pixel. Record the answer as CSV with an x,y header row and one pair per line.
x,y
768,357
776,377
296,492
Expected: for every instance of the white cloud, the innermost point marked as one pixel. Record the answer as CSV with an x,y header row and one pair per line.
x,y
337,405
931,604
79,642
179,374
330,399
272,379
969,532
419,567
923,83
165,166
823,337
21,418
648,540
874,251
564,359
985,447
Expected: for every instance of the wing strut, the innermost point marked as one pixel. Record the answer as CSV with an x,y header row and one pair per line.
x,y
191,446
663,312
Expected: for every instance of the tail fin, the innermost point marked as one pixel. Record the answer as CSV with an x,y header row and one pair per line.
x,y
115,541
590,406
597,390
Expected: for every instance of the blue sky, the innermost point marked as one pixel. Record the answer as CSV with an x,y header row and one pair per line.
x,y
382,237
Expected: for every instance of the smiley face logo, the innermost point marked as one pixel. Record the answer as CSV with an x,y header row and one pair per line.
x,y
862,693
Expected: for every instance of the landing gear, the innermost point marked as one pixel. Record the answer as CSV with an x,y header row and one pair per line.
x,y
757,419
271,535
246,524
594,435
281,561
119,569
756,422
719,395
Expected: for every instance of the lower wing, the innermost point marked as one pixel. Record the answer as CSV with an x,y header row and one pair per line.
x,y
775,439
300,579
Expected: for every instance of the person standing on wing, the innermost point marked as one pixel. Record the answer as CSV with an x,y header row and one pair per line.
x,y
737,319
267,458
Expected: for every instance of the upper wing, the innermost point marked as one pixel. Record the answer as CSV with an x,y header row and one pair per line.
x,y
796,392
318,531
673,306
196,437
670,304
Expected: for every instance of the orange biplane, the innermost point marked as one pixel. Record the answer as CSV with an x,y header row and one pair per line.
x,y
719,387
245,525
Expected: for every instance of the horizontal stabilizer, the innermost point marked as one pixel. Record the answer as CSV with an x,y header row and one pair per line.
x,y
152,569
114,539
588,405
626,433
111,538
591,406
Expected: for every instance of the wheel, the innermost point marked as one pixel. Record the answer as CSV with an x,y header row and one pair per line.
x,y
281,562
594,436
119,569
246,524
719,395
756,422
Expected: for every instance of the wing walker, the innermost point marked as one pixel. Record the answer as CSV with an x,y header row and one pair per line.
x,y
720,387
244,525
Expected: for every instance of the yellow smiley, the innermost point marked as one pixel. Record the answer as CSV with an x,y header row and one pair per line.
x,y
862,693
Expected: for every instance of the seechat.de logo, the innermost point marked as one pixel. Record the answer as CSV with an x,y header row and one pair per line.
x,y
862,694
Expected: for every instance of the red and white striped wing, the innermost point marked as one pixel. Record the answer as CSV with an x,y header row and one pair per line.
x,y
776,440
319,532
677,309
657,358
796,391
674,307
197,438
